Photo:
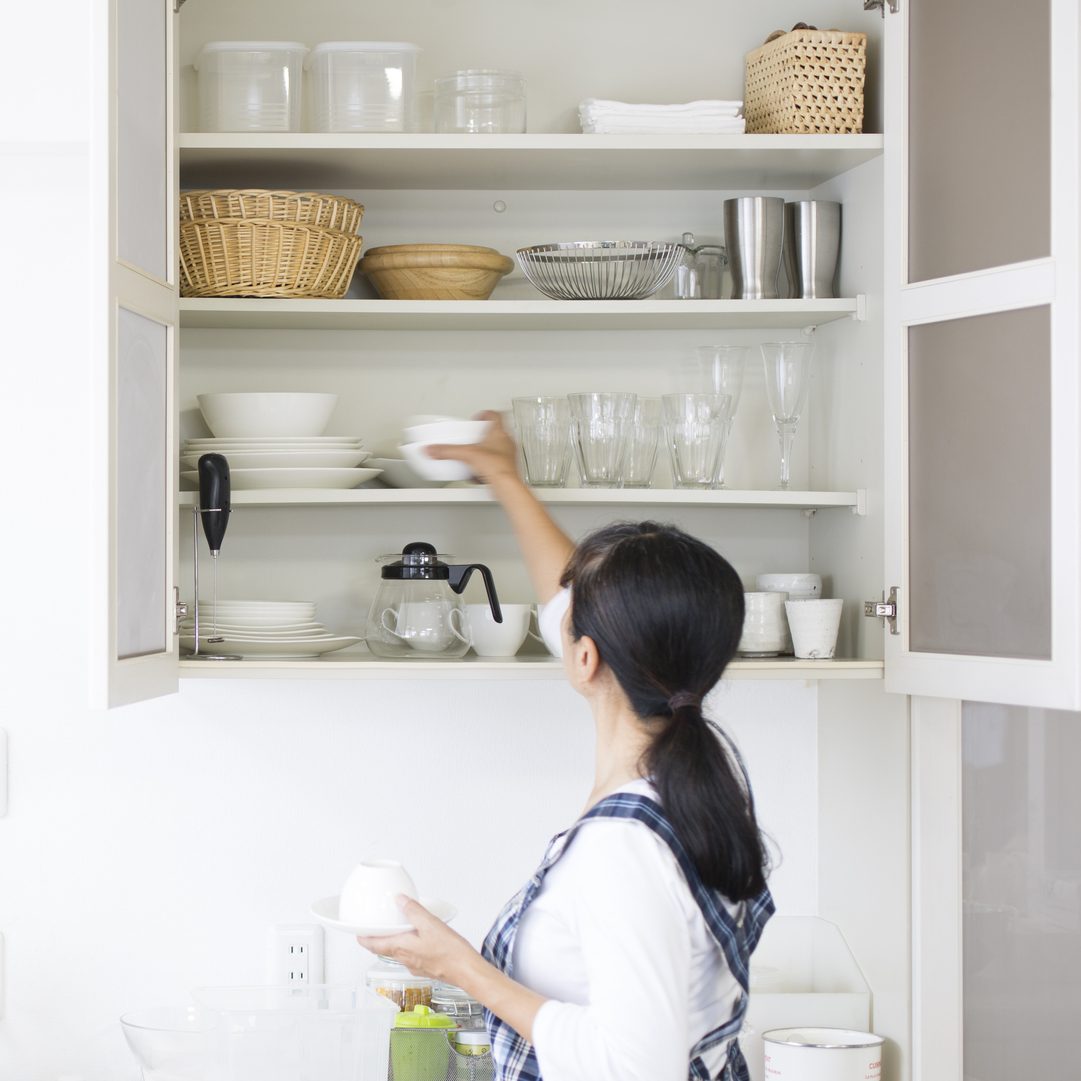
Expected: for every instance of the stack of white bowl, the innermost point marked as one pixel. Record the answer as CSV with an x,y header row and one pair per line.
x,y
275,440
278,630
424,430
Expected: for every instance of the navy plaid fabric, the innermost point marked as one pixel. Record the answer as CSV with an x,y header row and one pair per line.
x,y
737,935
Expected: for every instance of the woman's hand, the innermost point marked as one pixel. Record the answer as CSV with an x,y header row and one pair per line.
x,y
492,459
432,949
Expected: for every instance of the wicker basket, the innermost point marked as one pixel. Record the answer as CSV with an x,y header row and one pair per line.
x,y
241,258
806,82
302,207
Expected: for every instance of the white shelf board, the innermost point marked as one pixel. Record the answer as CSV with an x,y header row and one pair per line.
x,y
564,162
475,494
348,664
269,314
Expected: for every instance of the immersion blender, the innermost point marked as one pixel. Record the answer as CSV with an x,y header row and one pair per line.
x,y
215,490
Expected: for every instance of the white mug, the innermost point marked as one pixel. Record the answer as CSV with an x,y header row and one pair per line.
x,y
814,625
422,625
368,896
764,629
491,639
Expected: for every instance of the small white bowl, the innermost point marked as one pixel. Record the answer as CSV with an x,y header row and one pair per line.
x,y
398,474
447,431
798,586
368,896
430,468
263,414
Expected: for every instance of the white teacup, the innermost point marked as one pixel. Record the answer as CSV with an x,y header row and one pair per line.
x,y
368,896
491,639
426,626
814,625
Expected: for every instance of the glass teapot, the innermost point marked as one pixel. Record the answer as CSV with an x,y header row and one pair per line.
x,y
418,612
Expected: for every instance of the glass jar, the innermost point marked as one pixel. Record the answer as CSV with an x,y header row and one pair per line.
x,y
397,983
454,1002
480,102
699,272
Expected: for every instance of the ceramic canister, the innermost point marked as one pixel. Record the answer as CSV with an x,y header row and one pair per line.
x,y
822,1054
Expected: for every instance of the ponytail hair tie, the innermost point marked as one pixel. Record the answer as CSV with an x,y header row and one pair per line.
x,y
681,699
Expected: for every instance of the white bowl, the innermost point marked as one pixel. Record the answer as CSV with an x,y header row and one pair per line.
x,y
398,474
447,431
426,418
431,469
796,585
270,413
368,896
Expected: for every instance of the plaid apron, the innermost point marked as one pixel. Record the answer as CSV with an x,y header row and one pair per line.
x,y
737,936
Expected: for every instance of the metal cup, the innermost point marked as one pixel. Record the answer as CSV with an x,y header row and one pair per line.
x,y
753,232
812,238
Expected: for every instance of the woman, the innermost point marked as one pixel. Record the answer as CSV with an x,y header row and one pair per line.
x,y
625,956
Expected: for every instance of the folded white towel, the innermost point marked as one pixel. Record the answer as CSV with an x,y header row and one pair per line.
x,y
700,125
600,107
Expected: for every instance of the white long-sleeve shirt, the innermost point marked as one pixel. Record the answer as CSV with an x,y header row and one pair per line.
x,y
615,941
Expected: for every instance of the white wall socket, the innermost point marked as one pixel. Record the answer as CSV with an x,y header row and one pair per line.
x,y
296,956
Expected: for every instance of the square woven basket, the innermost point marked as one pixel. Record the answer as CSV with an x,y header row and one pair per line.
x,y
806,82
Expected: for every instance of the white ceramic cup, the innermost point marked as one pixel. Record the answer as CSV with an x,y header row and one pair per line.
x,y
814,625
764,628
368,896
797,585
491,639
426,626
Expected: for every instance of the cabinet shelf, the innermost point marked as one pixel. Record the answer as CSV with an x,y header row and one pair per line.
x,y
254,314
352,665
645,497
520,162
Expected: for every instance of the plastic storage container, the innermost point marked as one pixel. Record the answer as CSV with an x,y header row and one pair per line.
x,y
250,85
362,85
480,102
396,983
419,1045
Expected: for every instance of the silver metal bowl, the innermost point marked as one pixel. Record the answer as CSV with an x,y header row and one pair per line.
x,y
600,269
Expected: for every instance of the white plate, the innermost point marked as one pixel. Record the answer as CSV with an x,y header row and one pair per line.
x,y
252,479
207,629
325,911
397,473
237,623
278,648
277,440
285,459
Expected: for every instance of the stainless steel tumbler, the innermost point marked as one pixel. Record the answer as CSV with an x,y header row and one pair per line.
x,y
753,229
812,238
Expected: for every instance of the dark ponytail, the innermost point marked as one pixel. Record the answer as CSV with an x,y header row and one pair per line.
x,y
666,613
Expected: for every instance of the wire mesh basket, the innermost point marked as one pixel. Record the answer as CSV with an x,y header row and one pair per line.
x,y
600,269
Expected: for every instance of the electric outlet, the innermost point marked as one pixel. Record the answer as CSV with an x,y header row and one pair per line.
x,y
297,954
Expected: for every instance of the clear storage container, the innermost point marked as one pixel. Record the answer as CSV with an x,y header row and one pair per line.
x,y
396,983
362,85
250,85
480,102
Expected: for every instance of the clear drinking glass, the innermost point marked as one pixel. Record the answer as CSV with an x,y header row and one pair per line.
x,y
788,379
543,427
717,369
642,444
695,427
600,424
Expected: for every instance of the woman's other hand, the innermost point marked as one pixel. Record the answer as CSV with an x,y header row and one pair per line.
x,y
493,459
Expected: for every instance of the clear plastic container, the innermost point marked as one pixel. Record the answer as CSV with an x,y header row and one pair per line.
x,y
480,102
397,983
250,85
362,85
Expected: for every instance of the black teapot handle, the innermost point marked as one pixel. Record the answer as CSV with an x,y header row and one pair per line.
x,y
458,578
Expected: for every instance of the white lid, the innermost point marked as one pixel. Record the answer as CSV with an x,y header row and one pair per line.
x,y
365,47
253,46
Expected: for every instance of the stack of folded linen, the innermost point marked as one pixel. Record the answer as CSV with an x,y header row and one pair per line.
x,y
697,117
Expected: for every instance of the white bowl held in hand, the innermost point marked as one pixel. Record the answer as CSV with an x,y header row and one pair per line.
x,y
270,413
368,896
447,431
445,469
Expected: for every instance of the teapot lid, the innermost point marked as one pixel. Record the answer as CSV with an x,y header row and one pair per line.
x,y
420,561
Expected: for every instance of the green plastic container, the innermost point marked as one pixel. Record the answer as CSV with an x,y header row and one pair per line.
x,y
419,1045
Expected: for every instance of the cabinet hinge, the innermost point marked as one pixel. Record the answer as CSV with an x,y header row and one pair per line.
x,y
181,608
177,5
884,609
868,5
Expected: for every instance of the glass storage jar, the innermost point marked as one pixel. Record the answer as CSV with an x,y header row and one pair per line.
x,y
454,1002
480,102
397,983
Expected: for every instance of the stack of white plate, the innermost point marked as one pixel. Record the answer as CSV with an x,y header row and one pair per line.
x,y
324,461
277,630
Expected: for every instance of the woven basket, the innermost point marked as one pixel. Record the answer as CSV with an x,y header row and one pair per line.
x,y
239,258
302,207
806,82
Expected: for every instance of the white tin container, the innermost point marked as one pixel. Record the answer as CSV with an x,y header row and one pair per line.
x,y
822,1054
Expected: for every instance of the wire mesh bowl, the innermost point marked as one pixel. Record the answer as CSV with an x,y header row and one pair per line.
x,y
600,269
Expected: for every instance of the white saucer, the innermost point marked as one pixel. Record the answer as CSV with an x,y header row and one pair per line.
x,y
325,911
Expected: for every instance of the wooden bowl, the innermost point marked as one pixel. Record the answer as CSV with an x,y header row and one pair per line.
x,y
435,271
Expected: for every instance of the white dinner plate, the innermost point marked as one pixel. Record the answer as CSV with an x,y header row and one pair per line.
x,y
253,479
283,649
207,628
275,440
239,623
325,911
286,459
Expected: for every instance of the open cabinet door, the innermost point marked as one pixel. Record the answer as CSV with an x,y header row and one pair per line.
x,y
135,185
981,352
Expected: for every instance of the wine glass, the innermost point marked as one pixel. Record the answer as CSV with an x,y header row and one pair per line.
x,y
788,378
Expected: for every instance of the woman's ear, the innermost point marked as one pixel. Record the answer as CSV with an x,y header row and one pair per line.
x,y
585,660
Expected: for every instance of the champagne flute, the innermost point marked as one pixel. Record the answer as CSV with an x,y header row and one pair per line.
x,y
788,378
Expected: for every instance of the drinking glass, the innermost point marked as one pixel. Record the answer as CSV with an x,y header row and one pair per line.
x,y
600,424
642,444
788,378
717,369
543,426
695,426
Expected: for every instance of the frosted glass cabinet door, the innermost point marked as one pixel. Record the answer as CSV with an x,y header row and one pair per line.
x,y
981,381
